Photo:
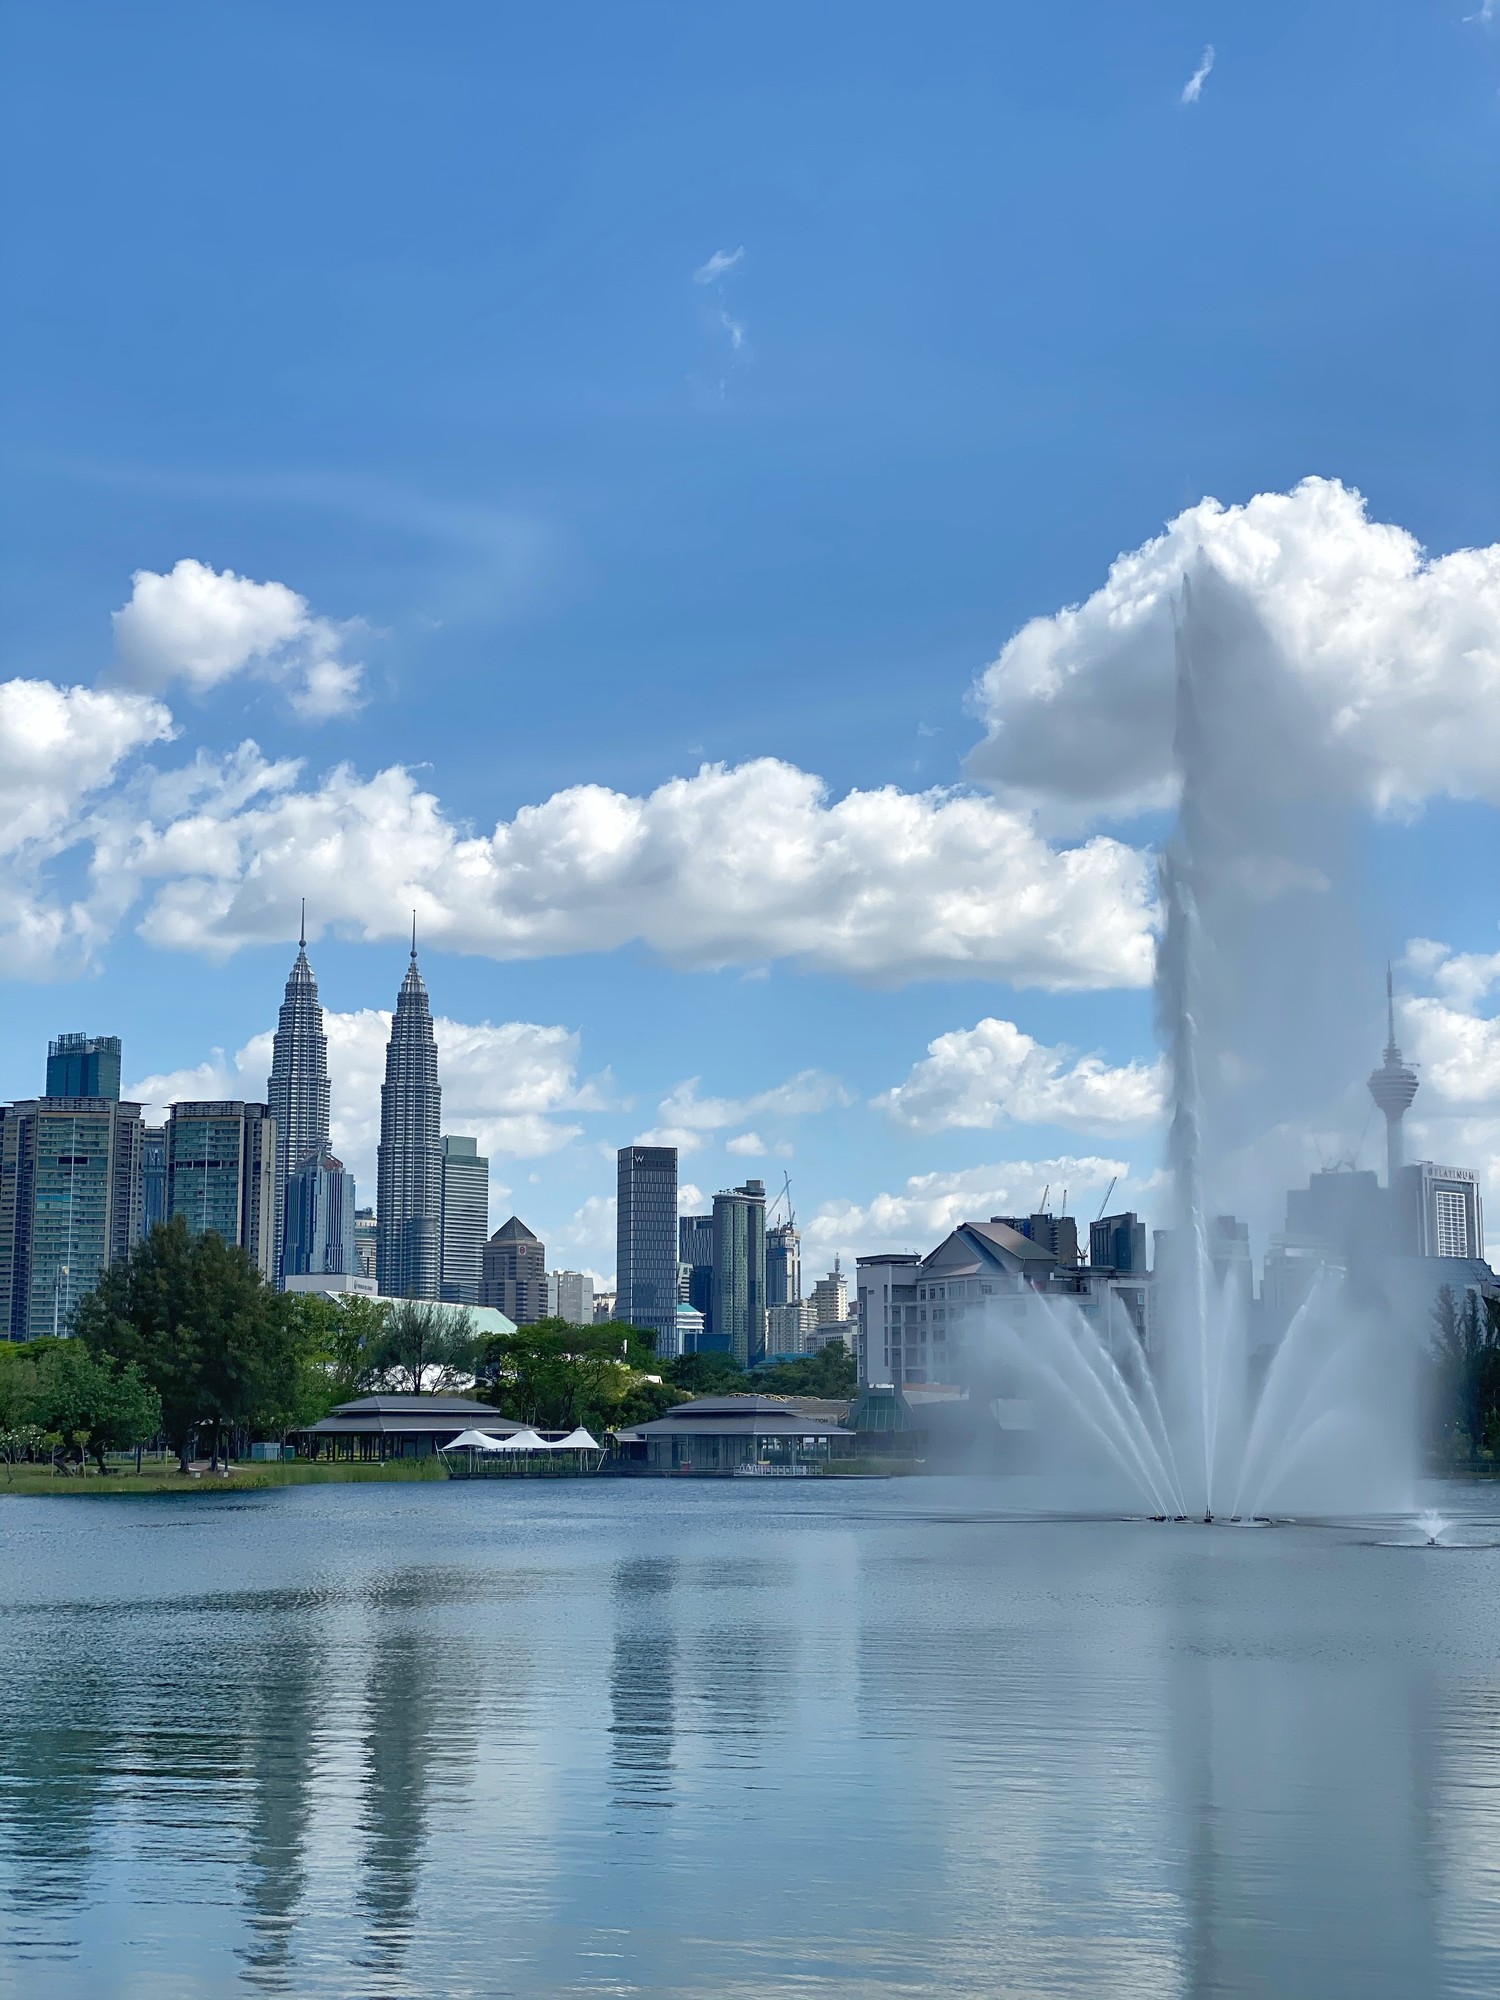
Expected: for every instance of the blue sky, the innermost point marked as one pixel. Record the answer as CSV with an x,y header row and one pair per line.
x,y
397,309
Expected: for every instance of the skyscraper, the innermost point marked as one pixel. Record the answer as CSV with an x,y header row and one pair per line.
x,y
319,1211
466,1217
783,1265
153,1177
646,1242
739,1316
1393,1086
409,1173
514,1278
297,1091
221,1174
84,1066
70,1205
695,1251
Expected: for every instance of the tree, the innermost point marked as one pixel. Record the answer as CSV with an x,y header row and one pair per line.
x,y
830,1372
89,1402
355,1333
195,1317
557,1376
1465,1348
708,1375
424,1347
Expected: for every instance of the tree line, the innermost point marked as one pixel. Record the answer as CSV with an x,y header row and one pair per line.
x,y
1464,1399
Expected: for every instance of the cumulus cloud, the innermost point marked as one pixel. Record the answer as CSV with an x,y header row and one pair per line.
x,y
930,1205
995,1074
718,266
201,626
688,1121
511,1085
1192,90
751,1146
1395,656
733,867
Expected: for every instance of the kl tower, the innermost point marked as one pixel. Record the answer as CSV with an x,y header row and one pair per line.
x,y
1393,1086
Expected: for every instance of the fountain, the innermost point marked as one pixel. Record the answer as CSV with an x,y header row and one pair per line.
x,y
1203,1428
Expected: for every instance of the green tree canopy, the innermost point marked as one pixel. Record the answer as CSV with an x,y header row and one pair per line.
x,y
424,1348
555,1376
88,1402
1465,1348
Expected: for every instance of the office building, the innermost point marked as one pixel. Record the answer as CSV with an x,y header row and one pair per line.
x,y
788,1327
409,1171
570,1296
830,1297
739,1286
153,1177
1118,1243
466,1217
1056,1234
695,1249
646,1242
71,1204
297,1094
221,1174
319,1212
689,1330
84,1066
513,1273
366,1237
1439,1212
783,1265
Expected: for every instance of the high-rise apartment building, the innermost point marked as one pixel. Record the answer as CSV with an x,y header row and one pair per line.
x,y
84,1066
319,1211
297,1093
783,1265
739,1295
570,1296
1439,1212
409,1178
71,1204
886,1288
646,1242
153,1177
830,1297
221,1174
466,1217
366,1237
513,1277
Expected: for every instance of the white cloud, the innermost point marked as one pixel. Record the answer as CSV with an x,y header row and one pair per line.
x,y
687,1121
751,1146
1192,90
510,1085
203,626
735,329
733,867
930,1205
1397,656
718,266
994,1074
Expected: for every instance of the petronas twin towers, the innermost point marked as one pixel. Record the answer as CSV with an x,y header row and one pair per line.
x,y
314,1196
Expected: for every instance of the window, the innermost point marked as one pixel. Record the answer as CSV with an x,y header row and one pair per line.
x,y
1451,1217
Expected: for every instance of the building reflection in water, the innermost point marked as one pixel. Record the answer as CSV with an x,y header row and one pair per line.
x,y
278,1765
643,1681
59,1749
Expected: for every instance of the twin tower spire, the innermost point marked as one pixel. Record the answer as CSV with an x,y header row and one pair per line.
x,y
409,1192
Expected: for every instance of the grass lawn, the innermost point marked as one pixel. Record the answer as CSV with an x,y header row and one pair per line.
x,y
32,1480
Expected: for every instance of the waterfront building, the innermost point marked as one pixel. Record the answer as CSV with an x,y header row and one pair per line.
x,y
830,1296
739,1287
221,1174
513,1274
71,1204
713,1436
319,1212
84,1066
979,1269
366,1238
466,1217
783,1265
695,1250
646,1242
409,1174
297,1094
153,1177
884,1288
381,1427
570,1296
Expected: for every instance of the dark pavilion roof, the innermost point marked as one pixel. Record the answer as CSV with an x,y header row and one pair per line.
x,y
412,1416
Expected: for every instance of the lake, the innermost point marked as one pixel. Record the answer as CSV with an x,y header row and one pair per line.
x,y
760,1738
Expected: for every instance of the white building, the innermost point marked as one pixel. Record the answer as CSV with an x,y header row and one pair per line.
x,y
884,1287
570,1296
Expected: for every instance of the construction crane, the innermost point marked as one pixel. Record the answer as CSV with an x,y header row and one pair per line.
x,y
784,1196
1107,1193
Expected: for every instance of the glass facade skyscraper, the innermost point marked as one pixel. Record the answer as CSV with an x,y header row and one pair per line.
x,y
409,1176
153,1177
319,1212
740,1271
70,1205
297,1094
695,1251
221,1174
84,1066
783,1265
646,1242
466,1217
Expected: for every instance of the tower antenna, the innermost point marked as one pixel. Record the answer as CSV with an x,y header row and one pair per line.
x,y
413,937
302,927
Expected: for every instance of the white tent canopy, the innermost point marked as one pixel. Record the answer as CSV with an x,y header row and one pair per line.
x,y
523,1441
475,1441
578,1440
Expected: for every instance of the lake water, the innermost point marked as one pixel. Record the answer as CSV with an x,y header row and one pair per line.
x,y
792,1738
